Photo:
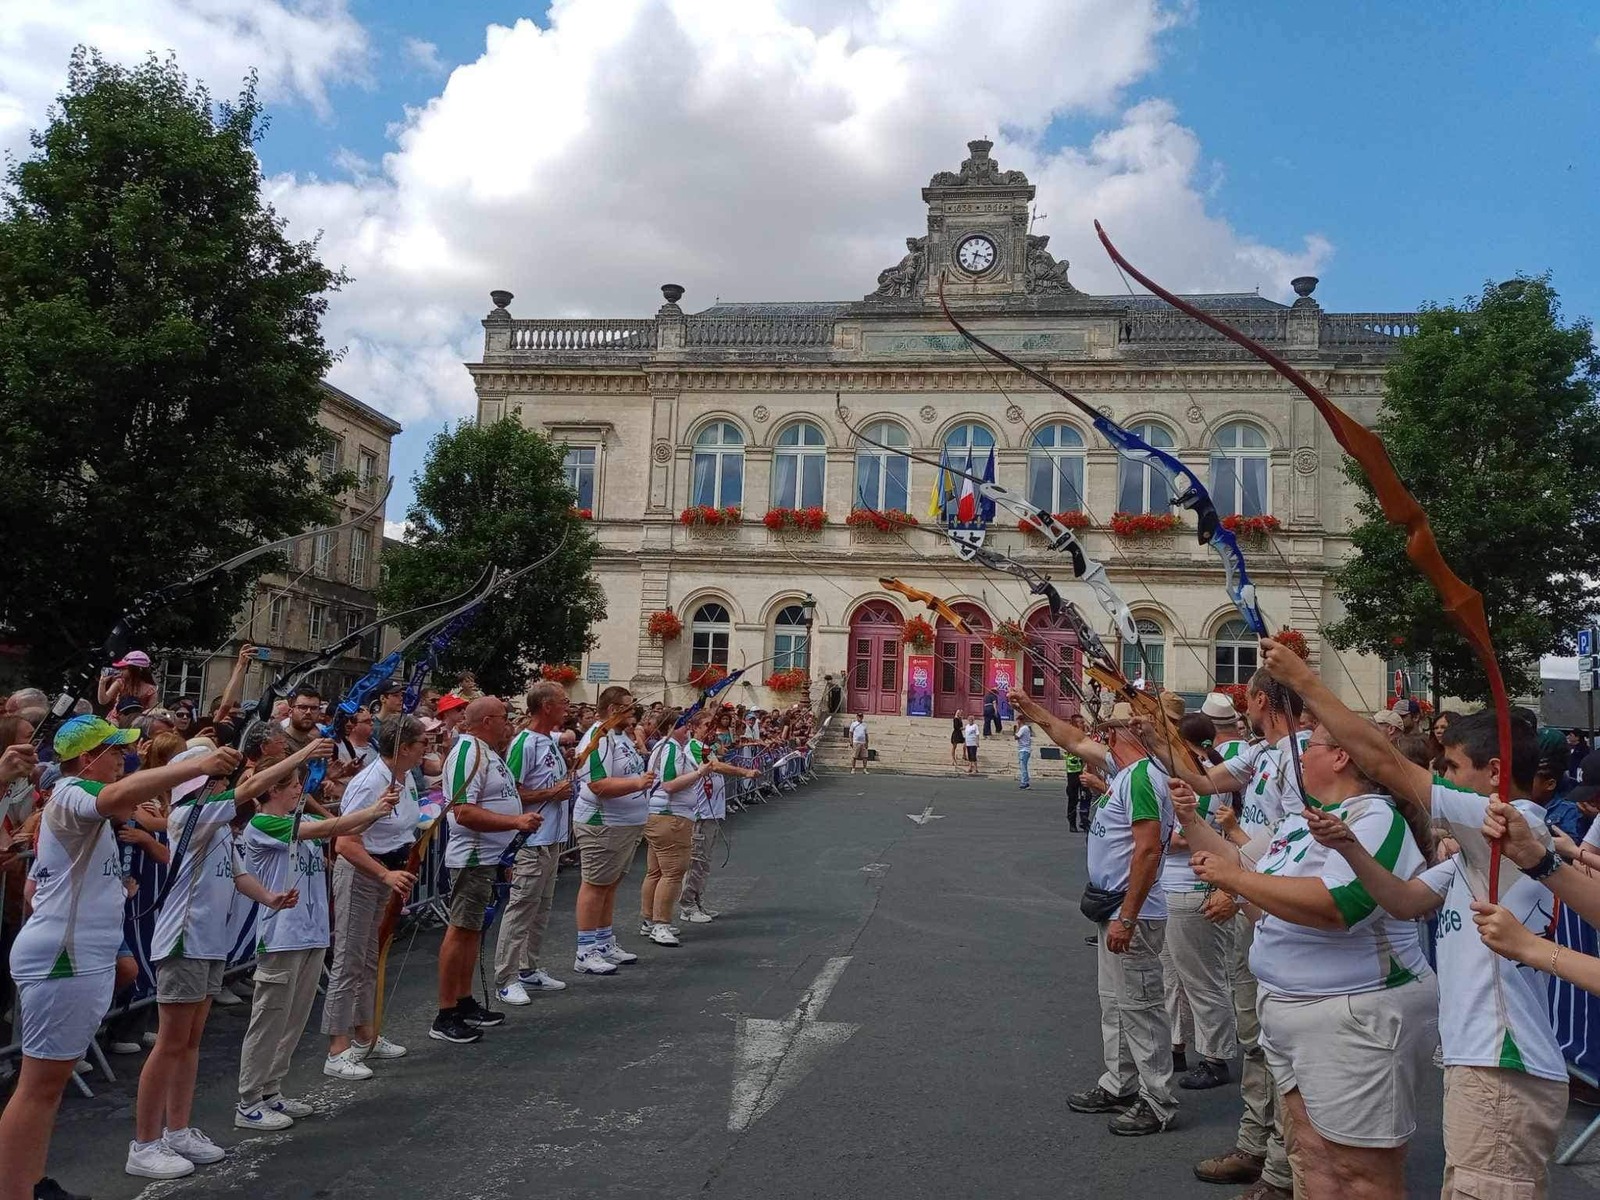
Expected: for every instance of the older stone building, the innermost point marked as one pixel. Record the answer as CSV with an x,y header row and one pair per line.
x,y
327,591
734,406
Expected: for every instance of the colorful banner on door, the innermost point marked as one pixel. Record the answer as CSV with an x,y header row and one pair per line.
x,y
919,685
1001,675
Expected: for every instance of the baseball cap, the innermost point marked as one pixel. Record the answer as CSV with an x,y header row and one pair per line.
x,y
133,658
391,689
129,704
1219,708
1588,791
449,703
83,734
1388,718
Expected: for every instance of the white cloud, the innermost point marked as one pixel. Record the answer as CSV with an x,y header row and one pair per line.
x,y
297,46
424,56
395,530
752,149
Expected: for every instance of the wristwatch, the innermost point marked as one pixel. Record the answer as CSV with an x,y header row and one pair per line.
x,y
1127,923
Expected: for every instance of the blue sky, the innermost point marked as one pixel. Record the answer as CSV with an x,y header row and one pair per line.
x,y
1435,146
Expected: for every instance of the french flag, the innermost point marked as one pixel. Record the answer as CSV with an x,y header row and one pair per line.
x,y
967,505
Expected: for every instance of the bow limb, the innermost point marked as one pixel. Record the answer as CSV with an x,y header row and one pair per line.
x,y
1462,603
929,601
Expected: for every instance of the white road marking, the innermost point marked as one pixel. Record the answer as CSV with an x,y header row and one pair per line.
x,y
926,815
770,1057
875,869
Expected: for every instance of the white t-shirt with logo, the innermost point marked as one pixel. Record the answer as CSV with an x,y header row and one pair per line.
x,y
613,756
536,762
475,774
1492,1012
858,732
280,865
1272,792
397,829
669,760
76,926
1374,950
713,789
193,921
1177,875
1137,793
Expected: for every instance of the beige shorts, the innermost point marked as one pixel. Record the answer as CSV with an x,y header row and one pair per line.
x,y
1355,1059
182,980
471,890
58,1017
604,852
1500,1131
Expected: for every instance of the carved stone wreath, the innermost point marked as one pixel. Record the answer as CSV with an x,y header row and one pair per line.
x,y
761,414
1105,411
844,411
662,451
1194,415
1014,414
928,414
1305,460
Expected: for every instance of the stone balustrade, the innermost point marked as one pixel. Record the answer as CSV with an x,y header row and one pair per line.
x,y
598,336
1366,329
1175,329
762,332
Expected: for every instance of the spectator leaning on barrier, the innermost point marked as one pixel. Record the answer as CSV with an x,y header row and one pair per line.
x,y
370,868
64,957
539,766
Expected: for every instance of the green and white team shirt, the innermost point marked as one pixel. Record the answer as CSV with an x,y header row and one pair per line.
x,y
1176,873
669,760
536,762
279,862
613,756
76,926
1374,950
1272,791
1492,1012
1138,793
193,921
475,774
713,790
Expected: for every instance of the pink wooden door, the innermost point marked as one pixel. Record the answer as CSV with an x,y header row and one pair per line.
x,y
875,659
960,664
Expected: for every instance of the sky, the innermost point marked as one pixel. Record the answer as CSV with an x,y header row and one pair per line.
x,y
581,153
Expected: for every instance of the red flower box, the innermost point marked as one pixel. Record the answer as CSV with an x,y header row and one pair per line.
x,y
705,515
582,514
665,625
1236,692
1008,638
704,676
917,633
1293,639
810,520
788,681
1126,524
1072,520
1257,527
563,673
883,520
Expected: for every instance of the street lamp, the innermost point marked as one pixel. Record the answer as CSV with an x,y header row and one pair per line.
x,y
809,607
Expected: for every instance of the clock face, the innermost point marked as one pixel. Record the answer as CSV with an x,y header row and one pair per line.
x,y
976,254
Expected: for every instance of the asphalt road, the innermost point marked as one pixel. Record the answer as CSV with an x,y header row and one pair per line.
x,y
887,1009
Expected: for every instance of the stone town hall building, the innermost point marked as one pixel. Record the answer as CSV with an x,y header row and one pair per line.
x,y
734,406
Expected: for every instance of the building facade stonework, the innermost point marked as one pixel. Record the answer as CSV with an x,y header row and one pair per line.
x,y
739,406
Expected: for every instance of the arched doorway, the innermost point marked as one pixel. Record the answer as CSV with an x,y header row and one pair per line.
x,y
875,658
1051,640
961,663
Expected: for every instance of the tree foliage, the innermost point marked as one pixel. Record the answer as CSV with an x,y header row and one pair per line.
x,y
496,494
1490,418
160,358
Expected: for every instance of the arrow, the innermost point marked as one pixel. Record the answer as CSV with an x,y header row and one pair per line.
x,y
770,1057
926,815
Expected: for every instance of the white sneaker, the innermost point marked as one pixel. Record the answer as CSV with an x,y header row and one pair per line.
x,y
646,928
343,1066
259,1116
540,981
614,953
288,1106
709,914
662,935
592,962
125,1047
226,999
514,994
149,1040
155,1161
697,916
190,1143
382,1048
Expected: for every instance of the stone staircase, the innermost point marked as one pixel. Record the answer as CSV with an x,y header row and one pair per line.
x,y
921,746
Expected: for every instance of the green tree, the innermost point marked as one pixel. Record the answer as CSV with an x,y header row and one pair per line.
x,y
1490,418
159,361
496,494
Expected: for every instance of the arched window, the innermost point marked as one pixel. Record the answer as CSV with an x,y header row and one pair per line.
x,y
1235,655
718,466
709,636
1239,458
1154,664
799,467
882,477
790,651
1055,469
969,447
1139,489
